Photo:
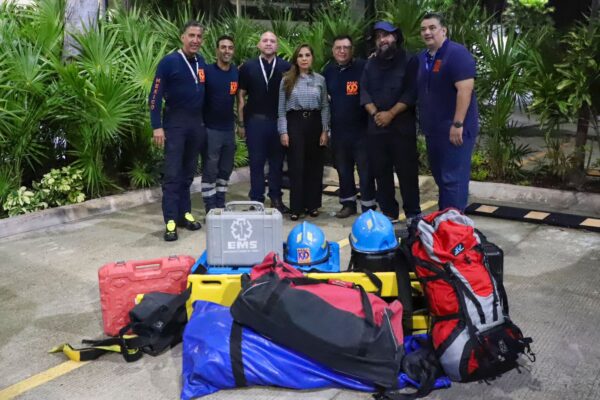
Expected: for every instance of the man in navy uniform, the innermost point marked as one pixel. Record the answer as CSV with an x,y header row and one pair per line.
x,y
348,127
259,82
179,80
388,94
448,110
221,90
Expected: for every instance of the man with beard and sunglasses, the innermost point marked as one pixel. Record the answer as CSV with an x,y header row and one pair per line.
x,y
388,94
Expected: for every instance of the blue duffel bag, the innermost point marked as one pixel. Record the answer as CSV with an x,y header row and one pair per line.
x,y
220,354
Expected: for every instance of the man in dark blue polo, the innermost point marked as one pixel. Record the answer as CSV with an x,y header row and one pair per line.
x,y
388,95
221,90
348,127
259,82
447,110
180,79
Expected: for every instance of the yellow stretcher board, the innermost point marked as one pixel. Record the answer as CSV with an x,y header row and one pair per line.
x,y
223,289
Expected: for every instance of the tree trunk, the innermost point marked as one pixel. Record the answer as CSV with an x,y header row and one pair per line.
x,y
577,177
80,15
583,124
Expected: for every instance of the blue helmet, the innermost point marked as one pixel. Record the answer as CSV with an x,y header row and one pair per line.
x,y
372,232
306,246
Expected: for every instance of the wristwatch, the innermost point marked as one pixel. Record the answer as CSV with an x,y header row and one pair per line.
x,y
457,124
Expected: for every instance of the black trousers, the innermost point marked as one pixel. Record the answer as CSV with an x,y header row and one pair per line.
x,y
389,152
346,154
305,160
183,145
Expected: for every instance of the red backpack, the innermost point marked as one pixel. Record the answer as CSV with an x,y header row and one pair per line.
x,y
472,333
335,323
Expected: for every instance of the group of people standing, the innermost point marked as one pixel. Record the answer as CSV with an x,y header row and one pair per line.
x,y
366,109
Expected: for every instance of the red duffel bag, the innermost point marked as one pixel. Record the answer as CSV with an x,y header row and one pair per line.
x,y
335,323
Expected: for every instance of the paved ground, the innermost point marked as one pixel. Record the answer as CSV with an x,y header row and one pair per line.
x,y
49,295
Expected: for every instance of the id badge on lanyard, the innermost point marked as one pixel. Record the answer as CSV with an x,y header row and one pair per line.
x,y
264,72
195,76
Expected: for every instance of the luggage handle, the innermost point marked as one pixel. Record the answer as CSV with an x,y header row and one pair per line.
x,y
233,204
146,264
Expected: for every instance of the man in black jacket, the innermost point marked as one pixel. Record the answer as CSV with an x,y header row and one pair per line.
x,y
388,93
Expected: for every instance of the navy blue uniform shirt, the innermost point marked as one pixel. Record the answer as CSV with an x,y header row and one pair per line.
x,y
260,100
387,82
174,82
221,88
436,91
348,116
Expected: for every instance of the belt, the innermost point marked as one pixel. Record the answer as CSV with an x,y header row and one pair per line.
x,y
262,117
305,113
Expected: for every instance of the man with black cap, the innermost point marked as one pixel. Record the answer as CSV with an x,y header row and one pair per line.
x,y
388,94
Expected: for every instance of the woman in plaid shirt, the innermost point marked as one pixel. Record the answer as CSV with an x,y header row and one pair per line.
x,y
303,123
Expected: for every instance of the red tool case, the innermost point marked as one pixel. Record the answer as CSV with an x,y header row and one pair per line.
x,y
120,282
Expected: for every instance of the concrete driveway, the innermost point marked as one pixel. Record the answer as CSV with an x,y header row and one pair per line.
x,y
49,295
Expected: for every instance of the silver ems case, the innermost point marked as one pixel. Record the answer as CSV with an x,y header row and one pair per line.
x,y
242,233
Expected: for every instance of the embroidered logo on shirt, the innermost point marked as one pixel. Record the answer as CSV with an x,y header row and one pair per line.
x,y
351,88
437,65
233,87
201,75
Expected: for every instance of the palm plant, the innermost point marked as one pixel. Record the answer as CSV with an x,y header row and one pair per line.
x,y
341,20
283,25
244,31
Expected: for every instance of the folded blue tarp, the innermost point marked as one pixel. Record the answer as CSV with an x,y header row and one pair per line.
x,y
207,365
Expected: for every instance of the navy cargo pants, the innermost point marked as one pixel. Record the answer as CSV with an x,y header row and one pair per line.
x,y
451,168
264,145
183,144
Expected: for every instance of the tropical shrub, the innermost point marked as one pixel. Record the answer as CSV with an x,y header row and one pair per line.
x,y
58,187
23,201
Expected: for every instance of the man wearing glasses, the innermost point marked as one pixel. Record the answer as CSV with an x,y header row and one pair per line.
x,y
348,127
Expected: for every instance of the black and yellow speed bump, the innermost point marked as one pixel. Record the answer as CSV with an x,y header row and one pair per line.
x,y
534,216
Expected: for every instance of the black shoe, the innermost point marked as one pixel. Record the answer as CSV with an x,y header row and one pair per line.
x,y
345,212
314,213
170,232
294,217
189,223
278,204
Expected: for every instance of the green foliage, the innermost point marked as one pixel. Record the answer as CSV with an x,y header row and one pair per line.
x,y
528,14
579,73
146,172
60,187
423,160
245,32
241,154
565,83
22,201
556,162
479,166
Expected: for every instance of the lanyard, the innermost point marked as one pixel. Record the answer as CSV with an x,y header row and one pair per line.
x,y
194,75
429,60
262,67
